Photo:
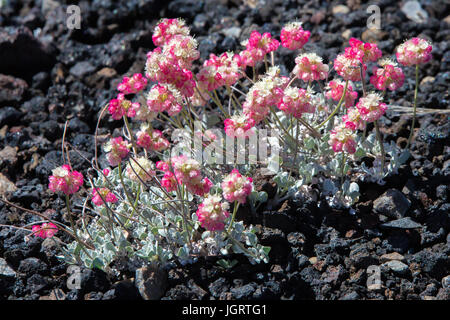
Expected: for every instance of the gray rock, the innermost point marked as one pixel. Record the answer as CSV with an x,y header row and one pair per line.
x,y
151,282
397,266
414,12
82,69
405,223
392,204
233,32
6,270
446,282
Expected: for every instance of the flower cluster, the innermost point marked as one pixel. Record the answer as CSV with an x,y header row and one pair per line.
x,y
120,107
336,89
256,47
117,149
389,76
187,172
212,213
347,65
151,139
64,180
263,94
219,71
236,187
239,125
132,85
293,36
414,51
342,139
167,28
353,120
140,169
309,67
100,194
370,107
296,101
45,230
164,97
370,51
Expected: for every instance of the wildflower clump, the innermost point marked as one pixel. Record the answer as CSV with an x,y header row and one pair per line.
x,y
65,180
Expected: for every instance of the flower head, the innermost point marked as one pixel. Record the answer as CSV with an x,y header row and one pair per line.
x,y
293,36
45,230
236,187
336,89
100,194
132,85
389,76
296,101
164,97
239,125
370,107
256,47
140,169
187,172
353,120
414,51
309,67
219,71
167,28
117,149
263,94
120,107
370,51
212,213
342,139
64,180
347,65
151,139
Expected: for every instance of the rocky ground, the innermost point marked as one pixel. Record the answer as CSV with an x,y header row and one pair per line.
x,y
49,74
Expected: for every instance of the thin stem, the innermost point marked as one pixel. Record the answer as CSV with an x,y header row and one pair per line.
x,y
74,228
236,206
337,107
380,140
415,107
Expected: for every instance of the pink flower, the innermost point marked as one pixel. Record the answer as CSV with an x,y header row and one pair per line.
x,y
293,36
389,76
236,187
370,107
140,169
296,101
151,139
309,67
132,85
169,181
336,89
263,94
163,67
164,97
182,49
63,179
105,193
342,139
347,65
256,47
106,171
370,50
212,213
219,71
46,230
353,120
414,51
122,107
167,28
187,172
117,149
240,126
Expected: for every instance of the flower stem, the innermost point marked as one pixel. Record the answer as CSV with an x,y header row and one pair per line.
x,y
380,140
74,228
415,107
127,124
236,206
337,107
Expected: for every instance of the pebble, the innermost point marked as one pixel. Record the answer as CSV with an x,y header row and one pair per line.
x,y
6,270
151,282
340,9
446,282
397,266
392,204
404,223
414,12
391,256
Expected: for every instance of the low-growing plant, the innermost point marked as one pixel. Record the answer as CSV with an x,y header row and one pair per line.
x,y
157,201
